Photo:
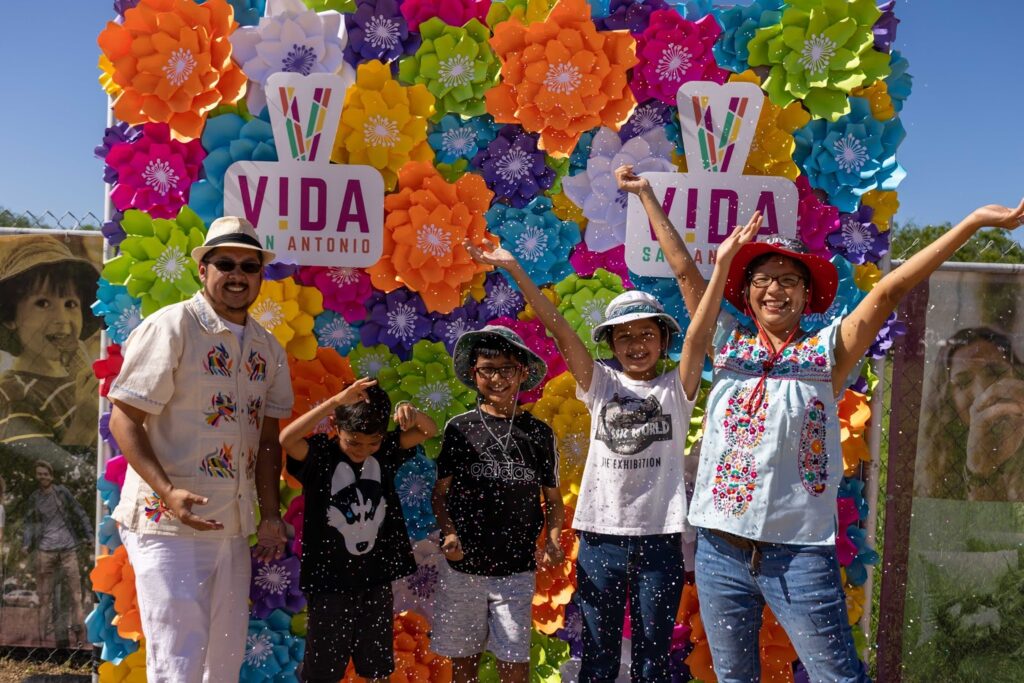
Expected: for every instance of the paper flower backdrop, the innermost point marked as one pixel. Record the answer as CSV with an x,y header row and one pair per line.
x,y
673,51
287,310
560,77
448,328
739,23
569,419
377,30
153,171
513,167
120,311
415,484
456,141
451,12
172,61
416,592
368,361
858,239
275,585
582,301
538,239
272,653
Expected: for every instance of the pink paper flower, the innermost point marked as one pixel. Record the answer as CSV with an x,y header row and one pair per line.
x,y
585,262
536,338
846,549
345,290
451,12
294,517
154,172
673,51
816,220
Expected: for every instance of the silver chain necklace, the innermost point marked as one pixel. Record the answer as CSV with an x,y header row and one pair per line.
x,y
507,444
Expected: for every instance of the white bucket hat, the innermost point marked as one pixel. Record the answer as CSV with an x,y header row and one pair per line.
x,y
231,231
630,306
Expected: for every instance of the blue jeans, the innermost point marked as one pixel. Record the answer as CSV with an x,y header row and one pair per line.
x,y
802,586
651,569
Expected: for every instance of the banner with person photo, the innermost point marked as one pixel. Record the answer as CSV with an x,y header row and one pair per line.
x,y
48,434
964,612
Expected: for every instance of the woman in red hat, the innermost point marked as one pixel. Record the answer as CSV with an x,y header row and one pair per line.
x,y
771,461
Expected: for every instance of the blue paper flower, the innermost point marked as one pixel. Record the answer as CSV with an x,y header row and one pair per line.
x,y
397,319
108,534
666,290
415,484
275,586
692,10
449,327
501,299
121,312
847,297
538,239
891,329
738,25
857,570
581,154
247,12
853,488
333,331
851,156
513,167
454,138
899,82
228,138
110,493
645,118
272,653
100,630
858,240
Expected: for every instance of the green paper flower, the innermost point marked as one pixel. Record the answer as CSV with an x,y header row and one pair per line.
x,y
155,264
456,64
582,301
428,381
526,11
342,6
547,655
818,52
368,361
561,168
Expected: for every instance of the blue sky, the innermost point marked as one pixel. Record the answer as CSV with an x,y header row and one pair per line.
x,y
964,143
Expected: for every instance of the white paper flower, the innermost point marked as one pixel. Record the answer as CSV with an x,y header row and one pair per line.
x,y
595,190
416,591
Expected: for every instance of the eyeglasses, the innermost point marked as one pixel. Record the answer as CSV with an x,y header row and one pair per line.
x,y
490,372
645,337
226,265
788,280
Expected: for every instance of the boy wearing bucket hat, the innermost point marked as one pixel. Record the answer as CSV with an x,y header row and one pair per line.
x,y
196,410
631,510
771,461
496,464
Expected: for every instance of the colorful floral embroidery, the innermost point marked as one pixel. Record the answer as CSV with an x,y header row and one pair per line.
x,y
250,463
743,430
253,410
256,367
218,361
154,508
734,482
805,360
222,408
218,463
813,457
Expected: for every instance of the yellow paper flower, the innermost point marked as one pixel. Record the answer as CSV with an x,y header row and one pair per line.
x,y
569,418
877,95
131,669
866,276
173,61
885,203
107,77
855,600
383,123
549,293
526,11
854,414
771,152
286,309
567,210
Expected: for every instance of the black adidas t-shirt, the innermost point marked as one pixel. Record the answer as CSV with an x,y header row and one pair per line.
x,y
353,531
495,497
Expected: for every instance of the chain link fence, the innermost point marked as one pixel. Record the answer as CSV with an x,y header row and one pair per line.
x,y
48,220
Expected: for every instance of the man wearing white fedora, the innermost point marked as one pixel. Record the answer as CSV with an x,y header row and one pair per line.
x,y
196,411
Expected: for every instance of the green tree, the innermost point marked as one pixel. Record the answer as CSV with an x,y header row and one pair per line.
x,y
9,219
991,245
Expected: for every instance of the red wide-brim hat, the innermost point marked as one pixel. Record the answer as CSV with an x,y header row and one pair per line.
x,y
824,277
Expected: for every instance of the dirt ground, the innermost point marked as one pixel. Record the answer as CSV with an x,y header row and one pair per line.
x,y
14,670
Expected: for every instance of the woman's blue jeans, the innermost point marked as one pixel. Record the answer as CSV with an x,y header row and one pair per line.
x,y
650,568
802,586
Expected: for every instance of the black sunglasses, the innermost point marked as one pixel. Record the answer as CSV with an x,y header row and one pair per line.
x,y
226,265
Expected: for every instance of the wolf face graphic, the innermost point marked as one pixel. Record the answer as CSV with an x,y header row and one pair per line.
x,y
357,507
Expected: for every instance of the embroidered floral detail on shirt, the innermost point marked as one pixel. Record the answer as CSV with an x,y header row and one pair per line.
x,y
154,508
743,430
250,463
253,410
222,409
218,361
734,483
806,359
256,367
813,458
219,463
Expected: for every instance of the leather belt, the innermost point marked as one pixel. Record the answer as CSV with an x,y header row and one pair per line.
x,y
747,544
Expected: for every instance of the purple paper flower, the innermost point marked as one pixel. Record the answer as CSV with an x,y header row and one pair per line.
x,y
891,329
397,319
885,28
112,230
448,328
275,585
501,299
646,117
377,30
858,240
514,168
106,434
122,6
119,132
629,15
279,270
572,631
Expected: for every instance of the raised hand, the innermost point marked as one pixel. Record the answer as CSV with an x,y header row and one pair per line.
x,y
406,415
353,393
629,181
743,234
492,255
996,216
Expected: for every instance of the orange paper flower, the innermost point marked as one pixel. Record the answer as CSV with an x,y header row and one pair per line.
x,y
414,662
854,414
427,221
172,60
555,585
877,95
561,77
113,574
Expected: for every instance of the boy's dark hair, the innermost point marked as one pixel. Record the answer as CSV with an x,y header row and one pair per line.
x,y
53,277
366,417
493,348
45,465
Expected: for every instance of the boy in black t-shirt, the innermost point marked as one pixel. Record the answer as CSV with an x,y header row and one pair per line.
x,y
496,464
354,540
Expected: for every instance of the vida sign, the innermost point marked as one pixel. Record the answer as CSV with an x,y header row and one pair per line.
x,y
707,202
304,208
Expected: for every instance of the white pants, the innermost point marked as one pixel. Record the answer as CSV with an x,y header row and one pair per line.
x,y
194,603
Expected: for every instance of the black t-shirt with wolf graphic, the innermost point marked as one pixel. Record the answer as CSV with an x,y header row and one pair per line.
x,y
353,532
495,496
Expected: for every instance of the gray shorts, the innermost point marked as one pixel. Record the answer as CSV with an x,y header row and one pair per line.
x,y
476,613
